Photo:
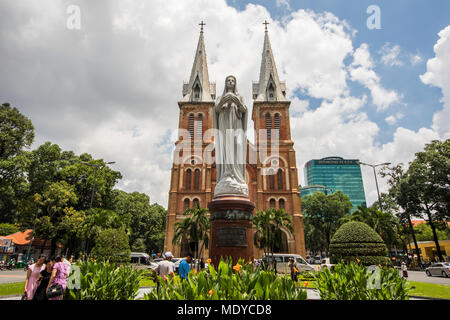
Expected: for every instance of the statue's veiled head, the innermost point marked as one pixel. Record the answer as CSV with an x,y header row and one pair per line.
x,y
230,84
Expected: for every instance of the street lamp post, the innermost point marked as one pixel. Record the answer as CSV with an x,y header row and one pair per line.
x,y
373,166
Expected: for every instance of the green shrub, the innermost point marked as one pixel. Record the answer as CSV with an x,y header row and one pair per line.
x,y
355,241
355,282
112,245
105,281
228,283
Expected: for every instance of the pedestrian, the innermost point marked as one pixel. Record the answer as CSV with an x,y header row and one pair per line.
x,y
68,264
293,266
202,264
58,278
164,267
42,281
32,274
184,267
404,270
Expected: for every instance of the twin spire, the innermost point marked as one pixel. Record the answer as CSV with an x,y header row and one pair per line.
x,y
269,87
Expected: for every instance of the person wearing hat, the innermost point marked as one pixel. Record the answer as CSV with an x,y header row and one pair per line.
x,y
164,267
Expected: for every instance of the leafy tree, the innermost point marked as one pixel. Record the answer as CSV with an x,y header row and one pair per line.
x,y
400,191
16,133
112,245
8,228
146,222
324,211
54,204
424,232
315,240
156,228
98,220
429,181
194,228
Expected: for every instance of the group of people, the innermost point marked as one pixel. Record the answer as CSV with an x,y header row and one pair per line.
x,y
44,276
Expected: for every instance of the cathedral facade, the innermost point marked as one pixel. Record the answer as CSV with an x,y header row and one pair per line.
x,y
271,171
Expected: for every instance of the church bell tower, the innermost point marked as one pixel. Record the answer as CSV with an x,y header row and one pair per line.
x,y
191,176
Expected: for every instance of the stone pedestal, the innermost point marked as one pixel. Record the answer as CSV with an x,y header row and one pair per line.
x,y
231,228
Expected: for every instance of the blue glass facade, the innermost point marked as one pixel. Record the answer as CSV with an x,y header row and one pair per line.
x,y
309,190
337,174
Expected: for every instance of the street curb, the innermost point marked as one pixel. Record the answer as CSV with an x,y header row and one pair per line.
x,y
10,296
428,298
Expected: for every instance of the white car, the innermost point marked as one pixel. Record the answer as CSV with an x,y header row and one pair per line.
x,y
282,260
325,263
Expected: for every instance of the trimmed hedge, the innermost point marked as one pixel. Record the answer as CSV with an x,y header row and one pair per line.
x,y
354,241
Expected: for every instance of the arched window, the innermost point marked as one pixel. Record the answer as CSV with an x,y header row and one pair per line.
x,y
271,92
188,179
199,129
197,93
196,203
191,126
281,204
196,179
272,203
268,124
187,204
280,179
271,179
276,124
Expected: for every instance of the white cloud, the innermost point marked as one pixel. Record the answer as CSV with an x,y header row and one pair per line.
x,y
361,70
391,120
438,74
283,3
111,88
390,55
415,59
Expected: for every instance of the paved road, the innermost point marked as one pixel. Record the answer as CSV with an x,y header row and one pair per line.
x,y
11,276
420,276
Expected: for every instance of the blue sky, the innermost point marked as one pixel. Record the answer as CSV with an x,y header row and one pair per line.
x,y
411,24
110,88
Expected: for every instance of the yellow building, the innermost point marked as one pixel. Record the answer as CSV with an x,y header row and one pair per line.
x,y
428,249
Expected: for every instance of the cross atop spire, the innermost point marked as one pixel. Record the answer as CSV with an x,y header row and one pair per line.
x,y
201,24
199,88
265,23
269,87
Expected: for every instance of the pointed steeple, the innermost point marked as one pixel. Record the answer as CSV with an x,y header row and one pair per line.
x,y
199,88
269,87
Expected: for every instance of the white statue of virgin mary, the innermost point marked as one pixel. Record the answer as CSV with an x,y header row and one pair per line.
x,y
230,122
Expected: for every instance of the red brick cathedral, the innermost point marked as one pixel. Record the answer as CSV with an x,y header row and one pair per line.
x,y
272,179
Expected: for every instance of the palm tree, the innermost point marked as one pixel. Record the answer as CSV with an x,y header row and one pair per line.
x,y
268,225
194,228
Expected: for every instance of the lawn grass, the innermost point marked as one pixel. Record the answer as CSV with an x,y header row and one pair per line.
x,y
145,282
431,290
9,289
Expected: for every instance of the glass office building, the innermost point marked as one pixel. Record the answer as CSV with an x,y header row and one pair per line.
x,y
337,174
309,190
